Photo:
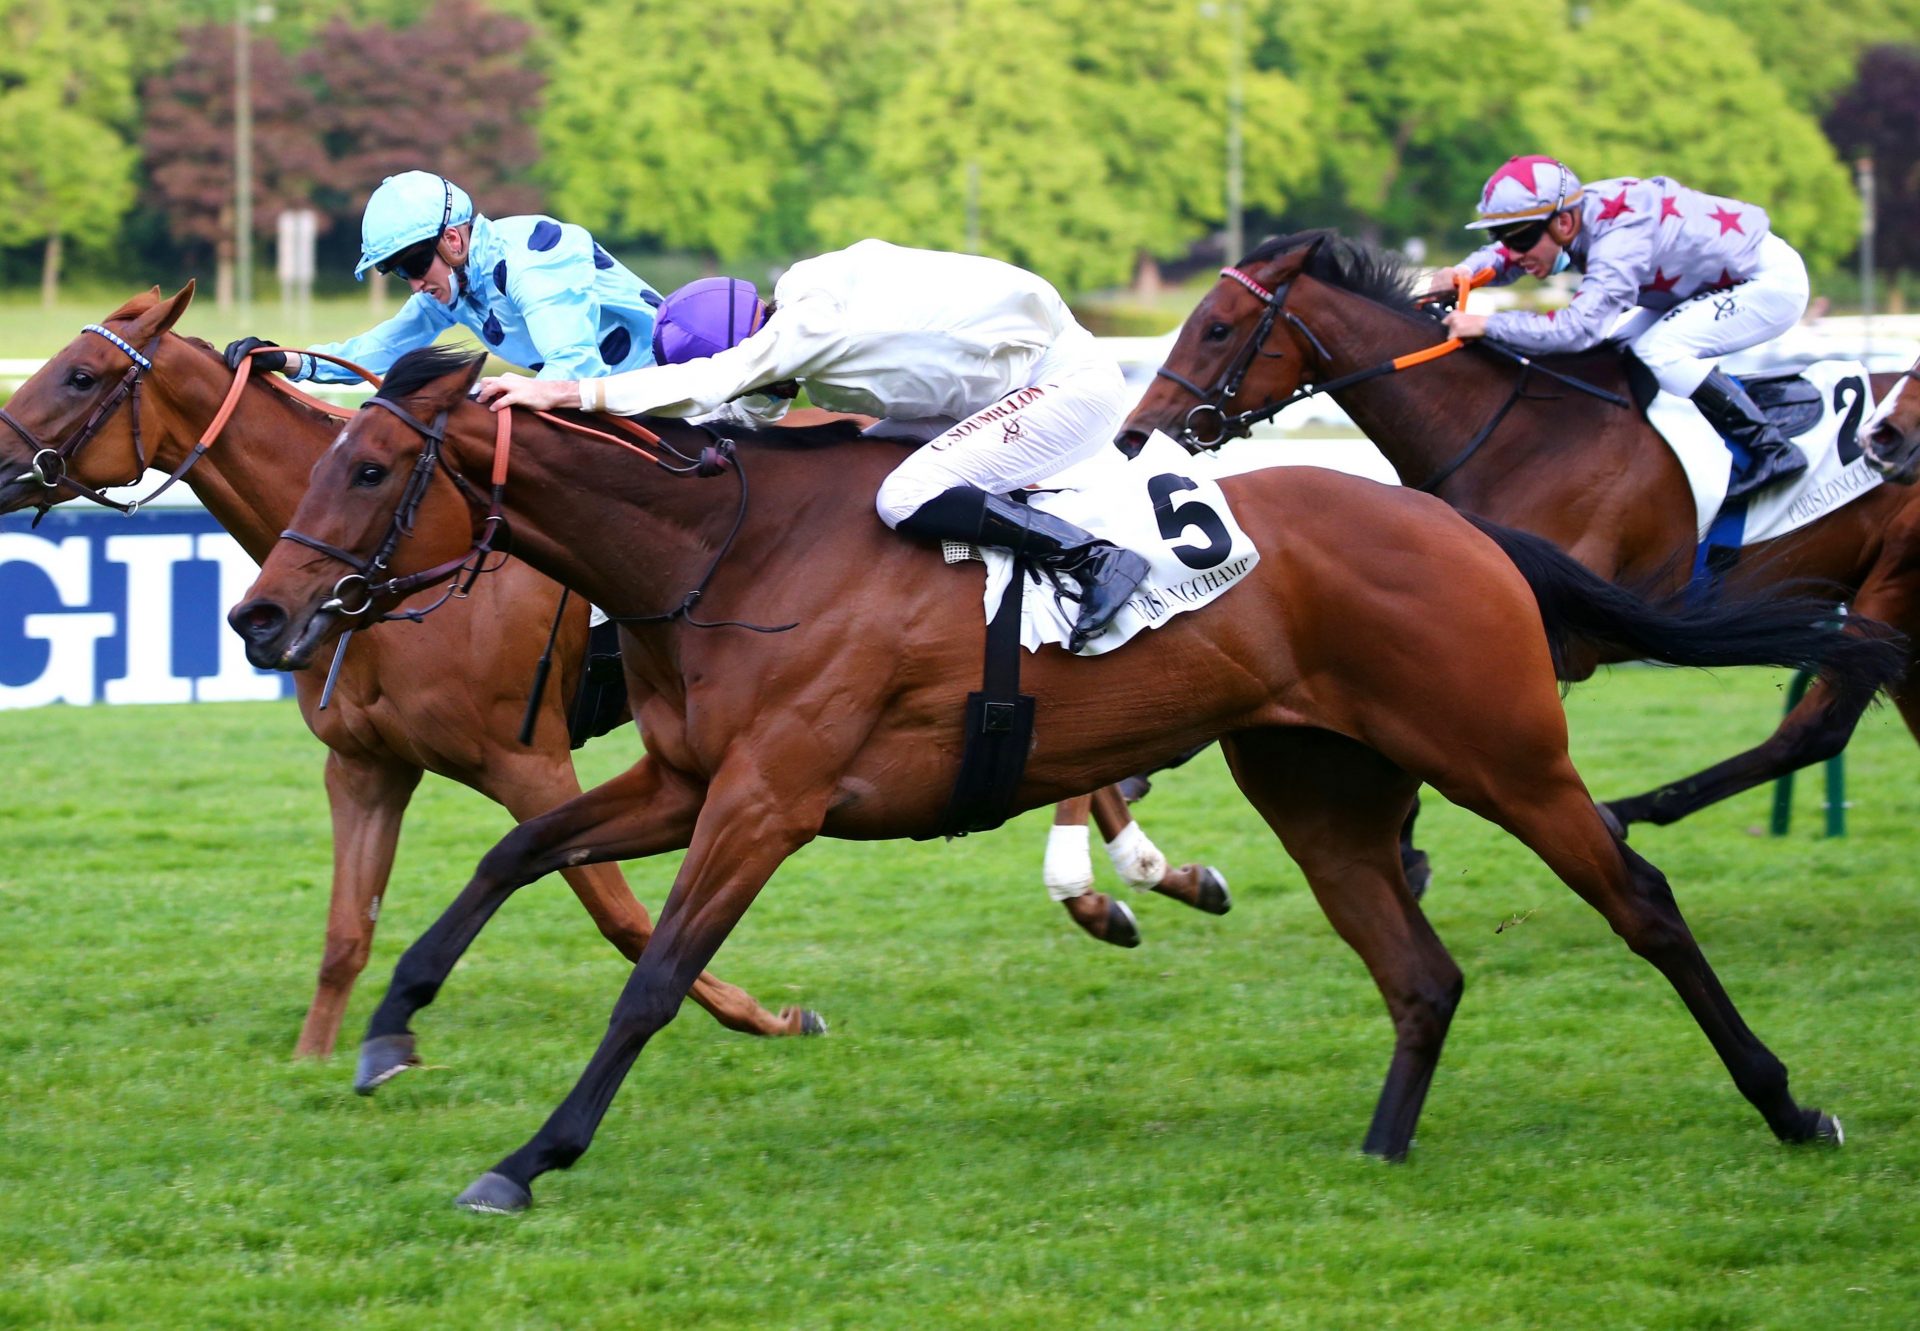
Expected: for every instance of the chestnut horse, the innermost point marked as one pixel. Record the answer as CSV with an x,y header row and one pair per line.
x,y
1592,476
1891,437
1382,641
446,695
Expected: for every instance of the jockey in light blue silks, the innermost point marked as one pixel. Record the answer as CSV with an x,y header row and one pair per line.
x,y
536,292
1704,274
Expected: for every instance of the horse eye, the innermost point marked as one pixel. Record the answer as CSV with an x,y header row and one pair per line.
x,y
369,473
1218,332
81,379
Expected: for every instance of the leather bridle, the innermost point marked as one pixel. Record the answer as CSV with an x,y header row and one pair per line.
x,y
1212,406
365,583
51,463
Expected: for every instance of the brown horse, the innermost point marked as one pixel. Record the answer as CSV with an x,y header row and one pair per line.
x,y
446,695
1381,641
1891,437
1529,451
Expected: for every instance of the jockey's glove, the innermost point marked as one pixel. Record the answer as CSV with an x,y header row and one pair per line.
x,y
237,352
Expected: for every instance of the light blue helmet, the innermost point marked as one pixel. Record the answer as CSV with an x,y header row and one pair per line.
x,y
408,208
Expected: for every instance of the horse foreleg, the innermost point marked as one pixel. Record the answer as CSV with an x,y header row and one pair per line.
x,y
368,800
533,786
1338,807
1137,860
645,810
748,827
1068,875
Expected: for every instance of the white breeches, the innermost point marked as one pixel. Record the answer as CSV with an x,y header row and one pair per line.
x,y
1681,344
1069,411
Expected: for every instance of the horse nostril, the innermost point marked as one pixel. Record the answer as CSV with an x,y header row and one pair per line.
x,y
257,621
1130,442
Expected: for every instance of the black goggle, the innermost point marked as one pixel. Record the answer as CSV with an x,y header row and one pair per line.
x,y
412,262
1524,237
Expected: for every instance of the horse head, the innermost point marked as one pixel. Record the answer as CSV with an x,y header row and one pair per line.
x,y
80,417
378,490
1890,440
1239,351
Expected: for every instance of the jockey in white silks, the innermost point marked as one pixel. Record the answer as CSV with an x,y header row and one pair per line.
x,y
537,292
1706,274
883,330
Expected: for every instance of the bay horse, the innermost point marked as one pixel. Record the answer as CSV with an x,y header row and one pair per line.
x,y
1382,640
1317,312
446,695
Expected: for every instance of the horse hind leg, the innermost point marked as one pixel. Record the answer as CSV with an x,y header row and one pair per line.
x,y
1552,813
1068,874
1338,808
1140,863
367,801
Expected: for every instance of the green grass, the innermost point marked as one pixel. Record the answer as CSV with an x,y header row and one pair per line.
x,y
1010,1125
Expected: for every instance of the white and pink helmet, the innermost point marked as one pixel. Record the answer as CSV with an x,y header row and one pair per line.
x,y
1525,189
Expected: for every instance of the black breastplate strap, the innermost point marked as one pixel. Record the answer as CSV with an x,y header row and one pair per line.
x,y
999,726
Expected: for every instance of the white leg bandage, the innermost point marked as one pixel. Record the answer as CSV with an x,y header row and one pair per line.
x,y
1136,858
1068,871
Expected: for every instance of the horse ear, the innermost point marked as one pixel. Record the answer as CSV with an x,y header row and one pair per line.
x,y
160,314
445,392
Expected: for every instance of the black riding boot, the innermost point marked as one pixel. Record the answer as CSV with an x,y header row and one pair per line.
x,y
1107,574
1729,410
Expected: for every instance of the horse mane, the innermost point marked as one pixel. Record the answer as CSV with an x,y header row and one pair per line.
x,y
1385,277
416,369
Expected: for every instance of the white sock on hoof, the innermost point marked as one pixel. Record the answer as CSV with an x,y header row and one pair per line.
x,y
1136,858
1068,868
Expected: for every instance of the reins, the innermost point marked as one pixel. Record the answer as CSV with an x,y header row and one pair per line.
x,y
1211,410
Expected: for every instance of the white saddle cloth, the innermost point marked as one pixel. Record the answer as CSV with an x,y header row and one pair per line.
x,y
1164,506
1834,476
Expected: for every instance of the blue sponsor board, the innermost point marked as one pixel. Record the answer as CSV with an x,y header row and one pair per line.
x,y
100,608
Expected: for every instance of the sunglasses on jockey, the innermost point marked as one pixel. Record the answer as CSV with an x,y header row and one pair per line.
x,y
1526,235
413,262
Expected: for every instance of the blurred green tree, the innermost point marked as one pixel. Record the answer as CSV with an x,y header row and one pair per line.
x,y
1811,47
716,128
1650,88
1413,102
66,96
1078,135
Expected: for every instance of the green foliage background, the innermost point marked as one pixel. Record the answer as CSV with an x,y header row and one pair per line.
x,y
1073,136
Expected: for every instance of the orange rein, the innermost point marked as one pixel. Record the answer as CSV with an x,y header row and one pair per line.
x,y
1462,285
502,433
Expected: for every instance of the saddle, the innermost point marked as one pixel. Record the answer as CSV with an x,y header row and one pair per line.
x,y
1788,400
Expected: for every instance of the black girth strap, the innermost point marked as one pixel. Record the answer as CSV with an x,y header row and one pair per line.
x,y
999,726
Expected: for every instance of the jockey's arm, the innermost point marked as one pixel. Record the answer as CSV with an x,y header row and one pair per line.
x,y
1610,287
419,322
793,342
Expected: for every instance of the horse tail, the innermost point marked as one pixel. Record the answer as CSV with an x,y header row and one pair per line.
x,y
1807,628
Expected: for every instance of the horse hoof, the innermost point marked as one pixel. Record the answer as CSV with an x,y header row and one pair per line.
x,y
811,1022
1213,897
1827,1130
494,1194
1418,870
1105,918
1133,789
382,1058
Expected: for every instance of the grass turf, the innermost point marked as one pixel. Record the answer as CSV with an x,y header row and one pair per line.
x,y
1010,1125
